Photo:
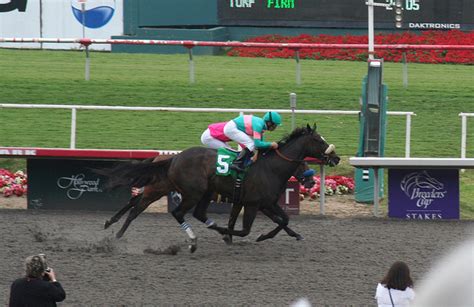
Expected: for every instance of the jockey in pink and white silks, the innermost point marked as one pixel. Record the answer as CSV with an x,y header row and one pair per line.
x,y
214,137
248,130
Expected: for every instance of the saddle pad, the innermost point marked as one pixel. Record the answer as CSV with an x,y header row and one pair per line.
x,y
225,157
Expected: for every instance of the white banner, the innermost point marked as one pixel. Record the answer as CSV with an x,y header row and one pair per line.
x,y
95,19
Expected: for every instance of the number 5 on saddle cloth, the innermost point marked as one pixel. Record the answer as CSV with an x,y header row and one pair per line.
x,y
225,157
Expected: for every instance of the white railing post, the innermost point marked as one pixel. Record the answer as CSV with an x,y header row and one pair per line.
x,y
408,136
405,69
191,66
298,67
463,135
87,71
73,128
322,188
293,108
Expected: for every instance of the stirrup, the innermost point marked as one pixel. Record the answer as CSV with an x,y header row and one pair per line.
x,y
236,167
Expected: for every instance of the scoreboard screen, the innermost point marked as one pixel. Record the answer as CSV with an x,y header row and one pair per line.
x,y
417,14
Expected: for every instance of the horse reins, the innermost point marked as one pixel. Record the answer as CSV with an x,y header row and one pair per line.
x,y
293,160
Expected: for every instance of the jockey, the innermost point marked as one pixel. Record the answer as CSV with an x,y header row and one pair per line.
x,y
214,137
248,130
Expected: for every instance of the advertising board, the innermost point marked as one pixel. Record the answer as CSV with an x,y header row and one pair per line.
x,y
96,19
423,194
67,184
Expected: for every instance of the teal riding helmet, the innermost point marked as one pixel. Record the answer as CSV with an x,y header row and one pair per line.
x,y
273,117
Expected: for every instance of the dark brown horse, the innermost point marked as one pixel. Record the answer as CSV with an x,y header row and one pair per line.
x,y
193,174
304,174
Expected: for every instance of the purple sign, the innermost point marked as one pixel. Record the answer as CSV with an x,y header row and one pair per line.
x,y
423,194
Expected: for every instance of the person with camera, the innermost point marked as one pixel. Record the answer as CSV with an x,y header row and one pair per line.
x,y
39,287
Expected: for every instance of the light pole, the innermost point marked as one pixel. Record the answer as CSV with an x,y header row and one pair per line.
x,y
370,4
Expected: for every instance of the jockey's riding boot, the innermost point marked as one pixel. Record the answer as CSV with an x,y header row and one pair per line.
x,y
238,164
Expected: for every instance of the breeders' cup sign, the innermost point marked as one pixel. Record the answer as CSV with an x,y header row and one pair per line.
x,y
423,194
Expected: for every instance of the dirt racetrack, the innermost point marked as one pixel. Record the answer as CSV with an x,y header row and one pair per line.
x,y
339,262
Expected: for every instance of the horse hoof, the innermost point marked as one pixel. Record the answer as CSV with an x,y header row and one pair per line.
x,y
261,238
299,238
193,245
107,224
227,239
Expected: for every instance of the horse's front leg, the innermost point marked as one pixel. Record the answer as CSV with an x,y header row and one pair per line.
x,y
234,214
250,212
279,216
131,203
148,196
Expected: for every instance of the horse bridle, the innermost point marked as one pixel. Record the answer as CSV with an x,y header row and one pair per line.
x,y
289,159
323,160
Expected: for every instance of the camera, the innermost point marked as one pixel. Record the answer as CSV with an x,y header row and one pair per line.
x,y
46,276
45,264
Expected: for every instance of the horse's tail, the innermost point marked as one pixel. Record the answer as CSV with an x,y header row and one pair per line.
x,y
135,174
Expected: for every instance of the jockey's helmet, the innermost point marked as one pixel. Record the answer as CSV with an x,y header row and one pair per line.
x,y
272,117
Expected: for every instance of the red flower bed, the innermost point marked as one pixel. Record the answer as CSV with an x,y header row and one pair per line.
x,y
334,185
453,37
12,183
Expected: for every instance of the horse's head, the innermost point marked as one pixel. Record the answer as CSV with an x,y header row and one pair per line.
x,y
305,175
317,147
306,142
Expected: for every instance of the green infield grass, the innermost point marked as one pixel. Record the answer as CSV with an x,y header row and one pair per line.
x,y
436,93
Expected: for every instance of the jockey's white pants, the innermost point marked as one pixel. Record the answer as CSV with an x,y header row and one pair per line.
x,y
231,131
211,142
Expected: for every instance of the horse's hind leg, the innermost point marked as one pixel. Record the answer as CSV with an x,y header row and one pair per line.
x,y
146,199
131,203
179,212
200,211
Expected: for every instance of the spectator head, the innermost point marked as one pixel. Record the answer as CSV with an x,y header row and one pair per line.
x,y
35,266
398,277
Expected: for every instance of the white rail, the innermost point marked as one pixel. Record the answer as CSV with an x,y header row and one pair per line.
x,y
292,110
74,109
464,117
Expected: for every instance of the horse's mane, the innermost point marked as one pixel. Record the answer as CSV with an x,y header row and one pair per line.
x,y
293,135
